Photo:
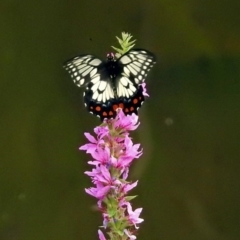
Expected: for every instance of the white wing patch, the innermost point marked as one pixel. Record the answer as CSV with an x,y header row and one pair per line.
x,y
82,68
125,88
125,59
102,90
95,62
136,64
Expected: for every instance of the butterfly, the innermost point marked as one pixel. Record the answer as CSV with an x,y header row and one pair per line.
x,y
111,84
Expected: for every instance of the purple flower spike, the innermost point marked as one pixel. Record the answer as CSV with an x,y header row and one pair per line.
x,y
112,152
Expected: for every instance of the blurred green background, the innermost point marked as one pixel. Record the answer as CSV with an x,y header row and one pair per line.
x,y
189,174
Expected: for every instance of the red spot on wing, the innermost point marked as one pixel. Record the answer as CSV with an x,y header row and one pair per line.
x,y
98,108
121,105
135,101
115,106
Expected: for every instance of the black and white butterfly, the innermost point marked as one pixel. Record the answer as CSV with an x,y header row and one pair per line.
x,y
112,84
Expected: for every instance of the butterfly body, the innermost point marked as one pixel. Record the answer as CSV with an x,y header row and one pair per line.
x,y
113,83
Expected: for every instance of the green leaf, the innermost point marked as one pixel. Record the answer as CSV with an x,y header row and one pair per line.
x,y
125,43
129,198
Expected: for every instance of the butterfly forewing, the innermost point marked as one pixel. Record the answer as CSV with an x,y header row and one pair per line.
x,y
83,68
135,65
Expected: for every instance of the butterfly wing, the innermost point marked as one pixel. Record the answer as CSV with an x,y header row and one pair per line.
x,y
134,66
99,95
82,68
89,71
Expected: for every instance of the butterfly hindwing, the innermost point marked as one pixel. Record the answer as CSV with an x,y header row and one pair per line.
x,y
108,109
99,89
134,102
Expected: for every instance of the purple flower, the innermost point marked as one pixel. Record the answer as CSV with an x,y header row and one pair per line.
x,y
134,215
125,122
130,235
101,156
127,187
144,90
112,152
99,192
129,153
101,236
